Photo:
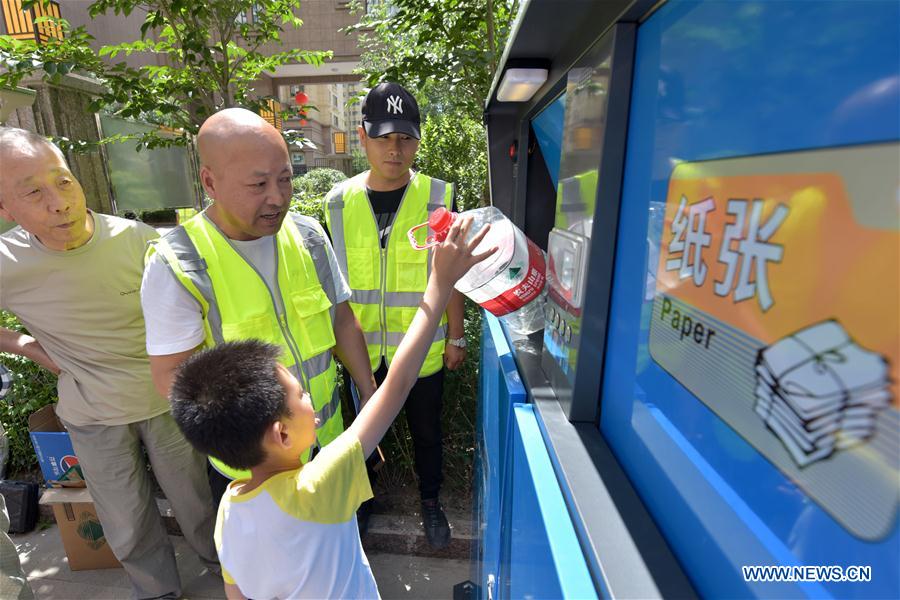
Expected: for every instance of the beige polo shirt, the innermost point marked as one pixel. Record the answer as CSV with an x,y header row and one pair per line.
x,y
84,307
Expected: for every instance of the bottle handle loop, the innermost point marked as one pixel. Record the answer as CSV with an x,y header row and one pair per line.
x,y
430,240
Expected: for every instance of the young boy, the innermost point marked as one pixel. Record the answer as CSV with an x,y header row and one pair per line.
x,y
290,531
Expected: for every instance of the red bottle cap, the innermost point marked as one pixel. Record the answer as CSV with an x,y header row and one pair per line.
x,y
440,221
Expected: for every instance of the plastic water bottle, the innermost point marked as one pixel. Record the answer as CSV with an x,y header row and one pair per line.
x,y
511,283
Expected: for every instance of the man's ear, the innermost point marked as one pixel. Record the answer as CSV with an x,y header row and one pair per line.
x,y
5,214
363,138
208,181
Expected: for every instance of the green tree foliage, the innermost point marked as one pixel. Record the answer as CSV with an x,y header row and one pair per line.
x,y
310,190
359,161
211,56
445,50
33,387
453,148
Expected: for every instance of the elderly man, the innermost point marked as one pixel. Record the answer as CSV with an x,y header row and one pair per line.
x,y
241,270
71,276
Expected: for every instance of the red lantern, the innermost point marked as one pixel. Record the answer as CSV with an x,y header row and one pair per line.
x,y
301,98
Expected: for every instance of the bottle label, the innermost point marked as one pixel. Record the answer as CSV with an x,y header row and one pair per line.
x,y
522,280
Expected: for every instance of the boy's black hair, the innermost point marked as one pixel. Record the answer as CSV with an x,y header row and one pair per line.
x,y
225,398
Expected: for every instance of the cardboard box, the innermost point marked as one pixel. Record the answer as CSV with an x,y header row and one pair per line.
x,y
80,529
51,443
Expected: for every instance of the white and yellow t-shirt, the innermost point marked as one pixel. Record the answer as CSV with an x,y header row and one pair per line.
x,y
295,536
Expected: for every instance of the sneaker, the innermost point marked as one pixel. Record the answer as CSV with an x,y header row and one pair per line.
x,y
434,522
362,517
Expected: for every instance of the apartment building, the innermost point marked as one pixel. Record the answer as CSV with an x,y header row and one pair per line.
x,y
332,128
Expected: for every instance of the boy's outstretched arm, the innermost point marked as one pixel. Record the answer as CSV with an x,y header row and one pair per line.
x,y
451,260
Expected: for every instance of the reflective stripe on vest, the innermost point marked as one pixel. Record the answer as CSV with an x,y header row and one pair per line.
x,y
386,284
296,238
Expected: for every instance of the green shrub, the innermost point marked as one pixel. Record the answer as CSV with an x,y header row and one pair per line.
x,y
158,216
310,190
33,387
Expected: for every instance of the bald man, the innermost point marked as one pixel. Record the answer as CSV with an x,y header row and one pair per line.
x,y
71,276
241,269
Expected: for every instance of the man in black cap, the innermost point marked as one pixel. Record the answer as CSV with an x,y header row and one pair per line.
x,y
368,217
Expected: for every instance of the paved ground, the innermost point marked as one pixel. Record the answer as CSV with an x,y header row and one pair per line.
x,y
403,565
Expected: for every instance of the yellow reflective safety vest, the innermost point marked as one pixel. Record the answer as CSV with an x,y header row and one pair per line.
x,y
387,283
184,214
237,304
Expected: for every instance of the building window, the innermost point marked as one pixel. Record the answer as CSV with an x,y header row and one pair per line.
x,y
335,122
271,112
340,142
298,158
20,23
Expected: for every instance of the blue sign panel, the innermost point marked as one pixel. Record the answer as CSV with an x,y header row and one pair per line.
x,y
732,96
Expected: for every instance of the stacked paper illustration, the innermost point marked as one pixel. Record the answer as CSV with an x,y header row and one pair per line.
x,y
819,391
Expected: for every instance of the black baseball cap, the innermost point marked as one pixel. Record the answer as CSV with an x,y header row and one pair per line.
x,y
389,108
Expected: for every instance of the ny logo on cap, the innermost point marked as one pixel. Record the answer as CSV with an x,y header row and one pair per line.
x,y
395,105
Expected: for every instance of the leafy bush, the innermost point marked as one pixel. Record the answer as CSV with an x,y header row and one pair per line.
x,y
310,190
454,148
33,387
159,216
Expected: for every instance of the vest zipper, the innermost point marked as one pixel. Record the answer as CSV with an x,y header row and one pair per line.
x,y
383,309
280,316
282,322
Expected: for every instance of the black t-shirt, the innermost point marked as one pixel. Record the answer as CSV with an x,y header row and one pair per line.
x,y
384,207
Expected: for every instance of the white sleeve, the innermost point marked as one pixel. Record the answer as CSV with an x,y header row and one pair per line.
x,y
171,315
341,287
